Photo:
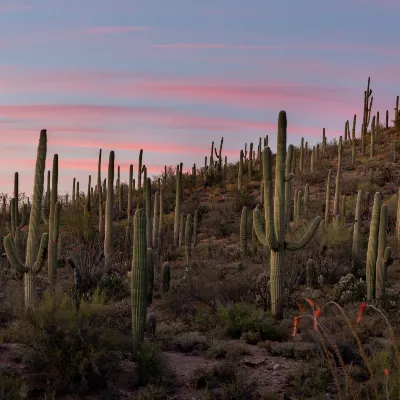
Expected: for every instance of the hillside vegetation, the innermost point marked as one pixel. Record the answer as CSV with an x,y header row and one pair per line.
x,y
272,277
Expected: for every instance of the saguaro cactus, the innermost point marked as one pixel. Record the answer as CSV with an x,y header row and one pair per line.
x,y
177,211
35,255
356,246
108,213
243,232
139,278
372,252
338,176
188,238
240,173
274,235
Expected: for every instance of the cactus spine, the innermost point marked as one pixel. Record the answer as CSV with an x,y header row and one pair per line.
x,y
275,218
35,254
139,278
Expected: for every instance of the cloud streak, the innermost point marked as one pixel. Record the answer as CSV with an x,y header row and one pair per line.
x,y
103,30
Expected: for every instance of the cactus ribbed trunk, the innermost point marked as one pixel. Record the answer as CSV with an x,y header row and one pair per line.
x,y
356,245
372,252
148,213
338,176
188,238
139,278
274,236
130,192
108,213
52,267
156,221
177,212
243,232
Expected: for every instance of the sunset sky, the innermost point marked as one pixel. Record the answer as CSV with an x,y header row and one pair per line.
x,y
171,76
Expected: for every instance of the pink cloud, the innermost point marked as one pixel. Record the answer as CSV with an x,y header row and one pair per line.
x,y
114,29
249,93
318,47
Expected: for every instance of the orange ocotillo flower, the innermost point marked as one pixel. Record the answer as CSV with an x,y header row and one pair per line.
x,y
361,312
317,314
295,323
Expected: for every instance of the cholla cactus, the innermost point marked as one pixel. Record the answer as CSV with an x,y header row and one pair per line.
x,y
274,235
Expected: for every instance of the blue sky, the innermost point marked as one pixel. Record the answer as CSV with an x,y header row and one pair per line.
x,y
170,77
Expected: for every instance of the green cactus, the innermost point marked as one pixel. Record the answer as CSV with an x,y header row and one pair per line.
x,y
240,173
188,238
181,229
161,217
35,254
306,195
156,220
243,232
301,163
356,245
372,252
384,258
139,278
372,144
275,218
195,222
310,273
367,109
140,171
250,163
150,268
288,184
312,162
323,141
338,178
130,193
177,211
148,213
166,277
108,222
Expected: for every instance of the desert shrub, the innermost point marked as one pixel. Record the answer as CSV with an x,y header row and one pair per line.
x,y
69,346
10,386
191,342
239,318
152,365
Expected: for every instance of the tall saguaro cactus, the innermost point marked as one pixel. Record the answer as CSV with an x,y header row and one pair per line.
x,y
338,176
372,252
53,223
108,212
139,278
177,210
35,254
274,236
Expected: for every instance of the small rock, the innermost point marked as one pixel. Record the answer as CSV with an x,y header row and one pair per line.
x,y
275,367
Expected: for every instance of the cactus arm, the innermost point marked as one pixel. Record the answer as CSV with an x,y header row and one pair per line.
x,y
258,228
41,255
12,255
293,246
270,234
289,177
